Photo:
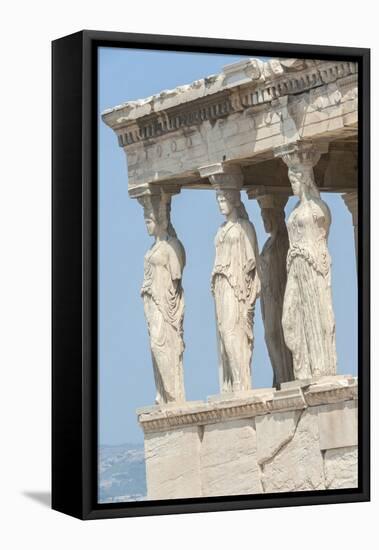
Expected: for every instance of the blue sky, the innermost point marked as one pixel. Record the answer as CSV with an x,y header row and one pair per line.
x,y
125,371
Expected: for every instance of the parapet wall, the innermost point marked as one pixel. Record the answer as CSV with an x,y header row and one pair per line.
x,y
301,437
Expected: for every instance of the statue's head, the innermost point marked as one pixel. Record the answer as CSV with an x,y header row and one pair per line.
x,y
302,181
152,225
272,211
229,200
156,210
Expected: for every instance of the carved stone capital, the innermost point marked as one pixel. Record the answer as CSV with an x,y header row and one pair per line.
x,y
153,190
155,200
258,191
152,197
223,176
301,153
275,199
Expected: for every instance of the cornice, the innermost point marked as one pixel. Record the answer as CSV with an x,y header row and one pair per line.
x,y
249,404
248,88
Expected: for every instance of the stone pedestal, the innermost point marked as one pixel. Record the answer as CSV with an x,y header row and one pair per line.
x,y
302,437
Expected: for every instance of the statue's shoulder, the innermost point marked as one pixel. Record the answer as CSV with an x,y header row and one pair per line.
x,y
247,226
294,213
320,210
221,231
176,247
245,222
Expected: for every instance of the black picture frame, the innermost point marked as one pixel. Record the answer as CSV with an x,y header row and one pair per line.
x,y
74,274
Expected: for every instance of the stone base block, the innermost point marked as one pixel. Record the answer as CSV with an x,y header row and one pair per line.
x,y
173,463
228,459
341,468
290,455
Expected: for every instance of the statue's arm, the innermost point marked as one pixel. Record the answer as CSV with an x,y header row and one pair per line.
x,y
251,247
321,214
252,256
176,259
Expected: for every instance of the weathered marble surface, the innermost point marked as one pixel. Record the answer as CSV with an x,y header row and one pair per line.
x,y
239,114
274,431
273,274
308,316
297,463
235,284
163,298
258,441
173,463
228,463
341,468
338,424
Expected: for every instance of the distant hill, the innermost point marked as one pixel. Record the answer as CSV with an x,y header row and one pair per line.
x,y
122,475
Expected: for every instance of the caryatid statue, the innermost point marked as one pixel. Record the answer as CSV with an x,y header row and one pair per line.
x,y
163,298
308,317
235,283
273,281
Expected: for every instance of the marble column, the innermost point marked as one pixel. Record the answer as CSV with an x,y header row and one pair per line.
x,y
308,317
235,282
351,201
162,293
273,283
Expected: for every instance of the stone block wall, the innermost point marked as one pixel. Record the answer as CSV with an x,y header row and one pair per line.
x,y
302,437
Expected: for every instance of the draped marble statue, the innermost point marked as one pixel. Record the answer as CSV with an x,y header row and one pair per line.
x,y
273,282
163,299
235,285
308,317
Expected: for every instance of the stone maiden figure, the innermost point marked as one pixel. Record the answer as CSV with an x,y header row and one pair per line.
x,y
308,317
163,299
235,285
273,280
